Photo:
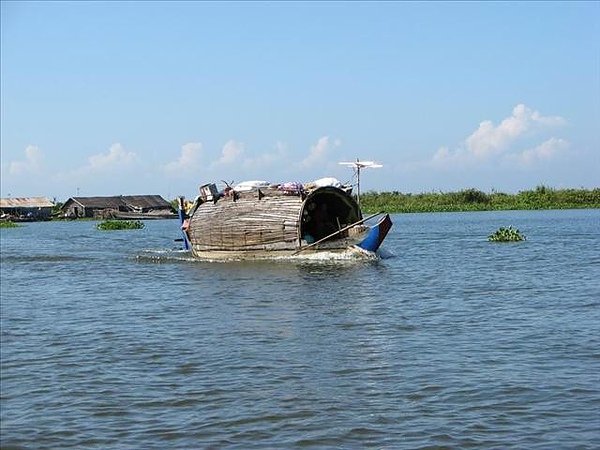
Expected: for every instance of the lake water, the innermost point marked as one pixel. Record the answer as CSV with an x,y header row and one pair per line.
x,y
118,340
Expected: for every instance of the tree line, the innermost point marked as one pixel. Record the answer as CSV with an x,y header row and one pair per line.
x,y
542,197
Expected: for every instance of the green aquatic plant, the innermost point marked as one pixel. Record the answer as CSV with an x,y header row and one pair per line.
x,y
9,224
509,234
120,225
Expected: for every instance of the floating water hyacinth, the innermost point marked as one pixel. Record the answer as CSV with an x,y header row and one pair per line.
x,y
120,225
509,234
9,224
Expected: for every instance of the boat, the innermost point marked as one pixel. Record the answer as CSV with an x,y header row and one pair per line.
x,y
258,219
150,215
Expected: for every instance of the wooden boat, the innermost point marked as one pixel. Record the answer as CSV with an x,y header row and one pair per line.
x,y
262,220
150,215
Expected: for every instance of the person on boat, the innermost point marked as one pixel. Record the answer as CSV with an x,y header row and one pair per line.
x,y
185,226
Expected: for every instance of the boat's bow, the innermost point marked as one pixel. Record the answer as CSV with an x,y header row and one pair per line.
x,y
377,234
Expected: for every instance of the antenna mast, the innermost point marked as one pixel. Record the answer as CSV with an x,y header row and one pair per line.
x,y
357,165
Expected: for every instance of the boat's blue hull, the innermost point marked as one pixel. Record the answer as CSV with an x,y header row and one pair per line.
x,y
377,234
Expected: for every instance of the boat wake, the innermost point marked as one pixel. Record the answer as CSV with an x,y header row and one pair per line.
x,y
158,256
164,256
350,254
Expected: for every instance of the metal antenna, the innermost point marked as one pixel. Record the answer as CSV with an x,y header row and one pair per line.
x,y
357,165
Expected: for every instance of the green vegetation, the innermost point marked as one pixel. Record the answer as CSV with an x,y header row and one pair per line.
x,y
509,234
120,225
9,224
474,200
56,208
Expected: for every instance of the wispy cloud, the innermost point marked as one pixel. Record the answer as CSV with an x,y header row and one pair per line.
x,y
234,161
102,165
491,142
115,158
269,159
320,151
32,163
188,161
231,153
544,152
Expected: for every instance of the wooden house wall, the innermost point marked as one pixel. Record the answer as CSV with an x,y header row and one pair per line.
x,y
67,209
74,210
249,223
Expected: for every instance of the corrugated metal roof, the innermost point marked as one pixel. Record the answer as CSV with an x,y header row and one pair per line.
x,y
140,201
97,202
26,202
146,201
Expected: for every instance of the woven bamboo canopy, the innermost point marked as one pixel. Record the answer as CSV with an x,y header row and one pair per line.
x,y
268,218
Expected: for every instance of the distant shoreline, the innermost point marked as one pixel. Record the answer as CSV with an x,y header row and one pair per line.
x,y
541,198
395,202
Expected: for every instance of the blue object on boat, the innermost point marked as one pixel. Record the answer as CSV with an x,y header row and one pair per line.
x,y
377,234
182,218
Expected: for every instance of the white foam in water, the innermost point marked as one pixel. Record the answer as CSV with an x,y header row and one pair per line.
x,y
164,255
346,255
349,255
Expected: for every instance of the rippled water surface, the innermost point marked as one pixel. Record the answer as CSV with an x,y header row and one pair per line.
x,y
118,340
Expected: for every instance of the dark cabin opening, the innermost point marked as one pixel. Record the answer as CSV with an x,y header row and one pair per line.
x,y
326,211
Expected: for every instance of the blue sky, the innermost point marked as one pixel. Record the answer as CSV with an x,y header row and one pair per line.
x,y
109,98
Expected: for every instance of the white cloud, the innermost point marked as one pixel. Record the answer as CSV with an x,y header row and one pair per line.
x,y
115,158
267,160
441,155
489,142
319,152
543,152
189,159
32,163
232,153
445,157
